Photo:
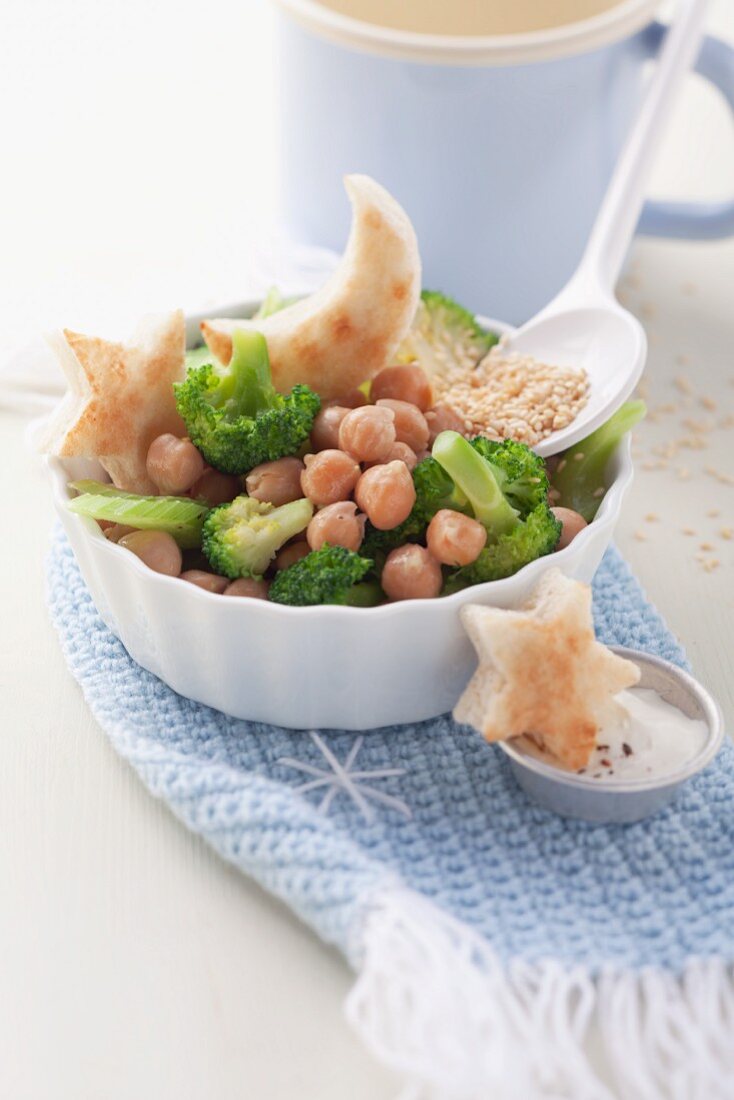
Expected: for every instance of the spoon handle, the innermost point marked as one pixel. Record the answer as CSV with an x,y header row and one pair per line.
x,y
620,210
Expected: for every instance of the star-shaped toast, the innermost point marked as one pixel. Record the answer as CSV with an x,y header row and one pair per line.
x,y
120,397
542,672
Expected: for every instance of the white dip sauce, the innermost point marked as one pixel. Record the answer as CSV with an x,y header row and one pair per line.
x,y
651,740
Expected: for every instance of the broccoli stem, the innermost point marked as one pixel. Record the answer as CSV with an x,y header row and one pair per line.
x,y
247,388
474,477
582,473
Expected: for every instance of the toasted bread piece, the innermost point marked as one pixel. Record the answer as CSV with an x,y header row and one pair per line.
x,y
120,397
542,672
349,329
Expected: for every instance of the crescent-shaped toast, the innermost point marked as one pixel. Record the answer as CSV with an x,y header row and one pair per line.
x,y
120,397
349,329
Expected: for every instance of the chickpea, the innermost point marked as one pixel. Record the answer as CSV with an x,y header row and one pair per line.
x,y
411,573
329,476
400,452
157,549
387,494
442,418
572,524
116,531
210,582
254,587
352,399
455,539
216,488
411,426
337,524
406,382
277,482
290,554
173,464
368,433
325,428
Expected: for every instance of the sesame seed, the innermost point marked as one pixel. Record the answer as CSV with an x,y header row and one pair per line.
x,y
512,396
713,513
682,384
640,536
688,530
706,546
727,533
599,492
651,517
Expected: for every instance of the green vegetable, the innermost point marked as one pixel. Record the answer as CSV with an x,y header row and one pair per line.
x,y
519,529
329,575
476,479
179,516
503,485
273,302
582,474
445,335
240,539
234,414
365,594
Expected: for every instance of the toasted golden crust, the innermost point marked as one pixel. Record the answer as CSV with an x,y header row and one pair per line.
x,y
541,672
120,397
349,329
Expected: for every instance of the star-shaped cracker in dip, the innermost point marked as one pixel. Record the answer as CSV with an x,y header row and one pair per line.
x,y
120,397
542,672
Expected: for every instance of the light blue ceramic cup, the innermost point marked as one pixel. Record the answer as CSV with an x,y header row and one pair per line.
x,y
499,148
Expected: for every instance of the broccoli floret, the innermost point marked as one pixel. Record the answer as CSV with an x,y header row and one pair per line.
x,y
235,416
515,535
241,539
475,477
444,335
532,538
580,477
519,471
329,575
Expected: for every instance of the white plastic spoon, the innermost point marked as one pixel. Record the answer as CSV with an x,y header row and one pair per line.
x,y
584,325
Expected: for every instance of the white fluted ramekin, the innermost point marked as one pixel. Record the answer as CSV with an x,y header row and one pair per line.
x,y
304,667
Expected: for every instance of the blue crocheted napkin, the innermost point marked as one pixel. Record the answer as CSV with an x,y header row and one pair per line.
x,y
488,934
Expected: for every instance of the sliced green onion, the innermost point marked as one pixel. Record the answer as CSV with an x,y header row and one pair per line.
x,y
179,516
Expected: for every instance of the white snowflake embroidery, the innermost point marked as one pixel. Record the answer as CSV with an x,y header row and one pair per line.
x,y
342,777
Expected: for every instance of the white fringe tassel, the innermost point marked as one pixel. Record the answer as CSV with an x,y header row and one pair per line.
x,y
433,1002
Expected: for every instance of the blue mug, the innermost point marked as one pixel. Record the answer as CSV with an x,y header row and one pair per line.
x,y
499,148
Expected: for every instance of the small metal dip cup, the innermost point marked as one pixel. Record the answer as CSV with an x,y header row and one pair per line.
x,y
607,801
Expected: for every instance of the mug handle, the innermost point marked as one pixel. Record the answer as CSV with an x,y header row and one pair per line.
x,y
695,220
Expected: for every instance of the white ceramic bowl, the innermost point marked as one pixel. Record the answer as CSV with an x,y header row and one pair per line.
x,y
304,667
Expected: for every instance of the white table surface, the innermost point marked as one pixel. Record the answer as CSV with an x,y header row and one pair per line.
x,y
134,962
